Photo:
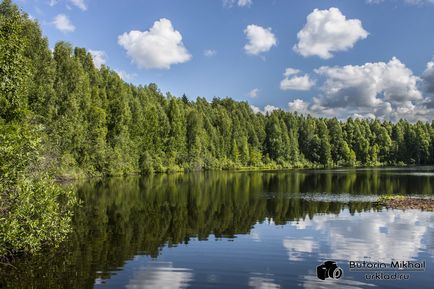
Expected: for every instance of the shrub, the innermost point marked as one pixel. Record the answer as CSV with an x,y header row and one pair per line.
x,y
34,210
34,213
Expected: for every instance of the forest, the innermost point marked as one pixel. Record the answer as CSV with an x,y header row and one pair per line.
x,y
62,117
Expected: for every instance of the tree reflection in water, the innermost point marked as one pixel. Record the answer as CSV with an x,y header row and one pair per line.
x,y
124,217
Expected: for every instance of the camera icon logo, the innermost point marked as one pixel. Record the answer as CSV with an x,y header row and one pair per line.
x,y
329,269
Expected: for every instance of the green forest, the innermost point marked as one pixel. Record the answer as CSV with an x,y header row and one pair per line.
x,y
62,117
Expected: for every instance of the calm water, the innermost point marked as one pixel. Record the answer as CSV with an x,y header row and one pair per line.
x,y
237,230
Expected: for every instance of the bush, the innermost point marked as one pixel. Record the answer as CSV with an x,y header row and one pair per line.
x,y
34,213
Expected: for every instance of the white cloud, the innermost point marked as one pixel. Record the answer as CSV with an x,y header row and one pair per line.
x,y
363,116
328,31
62,23
290,71
260,39
209,52
298,105
297,83
80,4
388,90
428,77
52,2
99,57
383,90
160,47
254,93
267,109
270,108
255,109
240,3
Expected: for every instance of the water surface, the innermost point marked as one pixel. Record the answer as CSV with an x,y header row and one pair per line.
x,y
237,230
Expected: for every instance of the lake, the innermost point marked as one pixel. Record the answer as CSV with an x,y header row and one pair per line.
x,y
267,229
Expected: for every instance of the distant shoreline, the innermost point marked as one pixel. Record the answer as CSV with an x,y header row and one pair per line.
x,y
72,177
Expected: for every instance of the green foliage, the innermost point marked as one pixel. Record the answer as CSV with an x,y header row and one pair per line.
x,y
14,65
33,215
34,211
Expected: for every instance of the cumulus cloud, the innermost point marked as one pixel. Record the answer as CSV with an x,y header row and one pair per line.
x,y
80,4
328,31
428,77
98,56
260,39
363,116
270,108
255,109
209,52
290,71
296,82
62,23
298,105
254,93
384,89
160,47
267,109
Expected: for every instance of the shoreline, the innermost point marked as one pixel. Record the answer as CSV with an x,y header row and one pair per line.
x,y
65,179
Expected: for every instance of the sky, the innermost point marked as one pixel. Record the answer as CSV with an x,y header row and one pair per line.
x,y
328,58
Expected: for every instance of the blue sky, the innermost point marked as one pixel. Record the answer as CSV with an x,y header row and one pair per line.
x,y
364,58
